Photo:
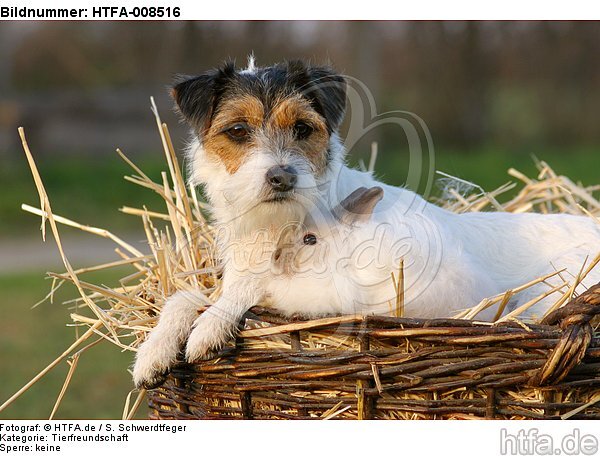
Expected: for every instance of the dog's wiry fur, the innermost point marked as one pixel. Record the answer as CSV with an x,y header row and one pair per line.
x,y
285,118
269,103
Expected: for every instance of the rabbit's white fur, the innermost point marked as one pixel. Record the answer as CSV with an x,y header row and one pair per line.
x,y
451,261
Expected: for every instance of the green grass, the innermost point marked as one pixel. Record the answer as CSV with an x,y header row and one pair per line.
x,y
87,190
90,191
488,167
31,338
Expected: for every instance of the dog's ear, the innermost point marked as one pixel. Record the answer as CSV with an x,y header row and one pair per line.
x,y
358,207
197,96
331,94
325,88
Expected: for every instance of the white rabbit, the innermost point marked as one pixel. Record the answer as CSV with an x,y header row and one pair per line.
x,y
342,261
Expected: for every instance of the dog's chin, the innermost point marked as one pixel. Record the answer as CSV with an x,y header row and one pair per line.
x,y
279,199
272,212
282,207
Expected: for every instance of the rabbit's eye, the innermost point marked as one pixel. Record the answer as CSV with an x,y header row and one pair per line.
x,y
309,239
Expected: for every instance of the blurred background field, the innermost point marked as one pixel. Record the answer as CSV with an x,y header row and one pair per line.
x,y
493,95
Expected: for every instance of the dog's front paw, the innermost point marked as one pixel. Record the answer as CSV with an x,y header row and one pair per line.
x,y
150,378
209,335
151,366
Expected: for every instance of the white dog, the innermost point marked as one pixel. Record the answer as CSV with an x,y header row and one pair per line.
x,y
267,152
266,149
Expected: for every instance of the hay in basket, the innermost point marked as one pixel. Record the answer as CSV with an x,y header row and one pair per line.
x,y
345,367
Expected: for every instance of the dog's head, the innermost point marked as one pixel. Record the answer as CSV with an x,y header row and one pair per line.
x,y
264,138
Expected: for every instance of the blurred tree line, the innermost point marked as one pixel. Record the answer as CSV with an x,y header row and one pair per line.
x,y
509,84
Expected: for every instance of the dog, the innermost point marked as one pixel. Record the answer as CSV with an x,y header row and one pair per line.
x,y
266,149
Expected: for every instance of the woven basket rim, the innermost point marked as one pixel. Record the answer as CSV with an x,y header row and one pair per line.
x,y
492,361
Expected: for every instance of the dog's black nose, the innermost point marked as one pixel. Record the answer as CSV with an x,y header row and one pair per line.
x,y
282,178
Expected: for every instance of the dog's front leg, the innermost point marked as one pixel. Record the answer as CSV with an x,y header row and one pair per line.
x,y
218,324
159,352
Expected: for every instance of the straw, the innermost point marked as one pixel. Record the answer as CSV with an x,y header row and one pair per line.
x,y
181,256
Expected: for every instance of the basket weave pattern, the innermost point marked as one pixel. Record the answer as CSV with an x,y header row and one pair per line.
x,y
395,368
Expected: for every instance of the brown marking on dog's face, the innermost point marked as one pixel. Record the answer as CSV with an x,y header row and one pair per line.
x,y
287,93
279,128
246,110
293,111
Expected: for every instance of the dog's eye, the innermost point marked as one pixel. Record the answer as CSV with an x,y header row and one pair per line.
x,y
238,132
309,239
302,130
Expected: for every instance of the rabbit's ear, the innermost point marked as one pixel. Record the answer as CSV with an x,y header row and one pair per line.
x,y
287,235
358,206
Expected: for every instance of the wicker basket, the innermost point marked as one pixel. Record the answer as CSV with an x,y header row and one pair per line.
x,y
395,368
